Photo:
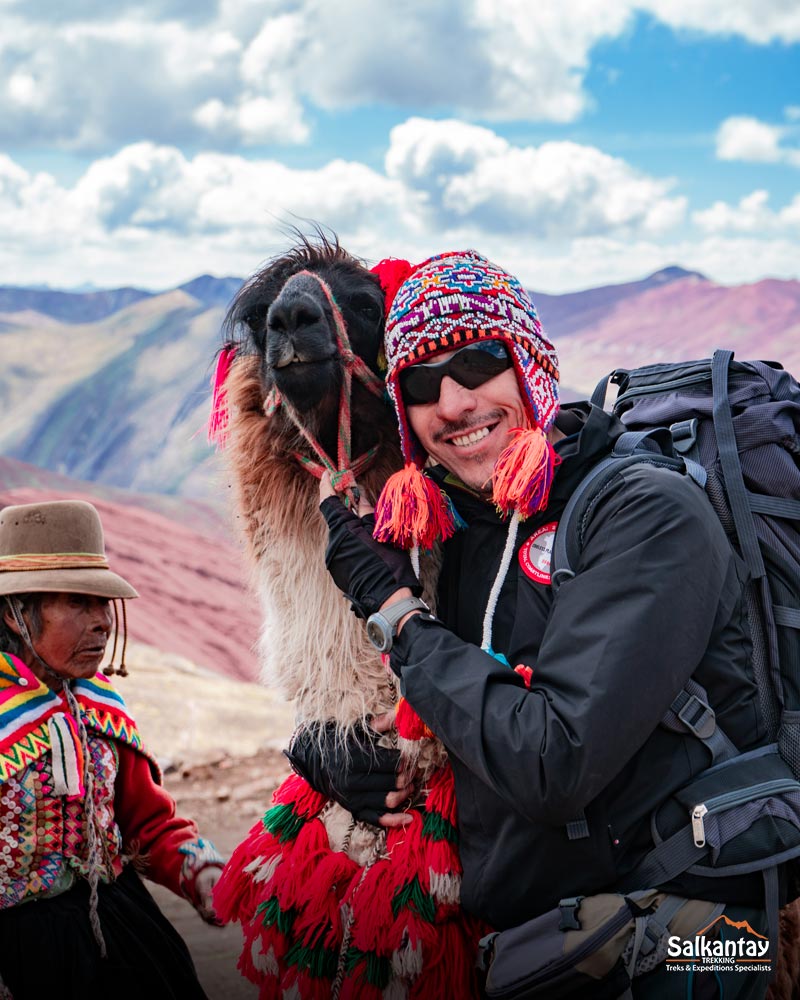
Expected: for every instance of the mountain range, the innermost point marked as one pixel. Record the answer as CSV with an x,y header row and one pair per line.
x,y
113,386
106,395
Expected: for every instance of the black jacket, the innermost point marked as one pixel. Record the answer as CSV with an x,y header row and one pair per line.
x,y
657,598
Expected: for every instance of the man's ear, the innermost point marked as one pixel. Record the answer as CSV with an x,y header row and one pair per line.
x,y
10,620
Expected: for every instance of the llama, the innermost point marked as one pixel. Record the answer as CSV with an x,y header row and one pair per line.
x,y
329,906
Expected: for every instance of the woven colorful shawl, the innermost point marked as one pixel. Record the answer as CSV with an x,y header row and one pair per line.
x,y
27,705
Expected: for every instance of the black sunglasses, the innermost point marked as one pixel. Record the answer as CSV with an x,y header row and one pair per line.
x,y
470,366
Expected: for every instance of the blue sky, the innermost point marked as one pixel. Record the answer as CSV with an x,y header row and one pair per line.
x,y
577,142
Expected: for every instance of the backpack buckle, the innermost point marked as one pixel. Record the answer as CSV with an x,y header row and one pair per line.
x,y
698,717
569,913
684,435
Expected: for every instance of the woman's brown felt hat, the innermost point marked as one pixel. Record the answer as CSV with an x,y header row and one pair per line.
x,y
56,546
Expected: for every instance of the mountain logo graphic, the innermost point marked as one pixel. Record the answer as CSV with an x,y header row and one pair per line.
x,y
736,925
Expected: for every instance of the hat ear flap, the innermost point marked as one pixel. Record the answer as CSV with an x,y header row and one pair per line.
x,y
412,511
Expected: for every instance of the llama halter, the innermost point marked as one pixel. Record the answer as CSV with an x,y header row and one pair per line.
x,y
345,470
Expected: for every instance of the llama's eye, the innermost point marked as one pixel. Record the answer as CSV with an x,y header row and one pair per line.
x,y
367,307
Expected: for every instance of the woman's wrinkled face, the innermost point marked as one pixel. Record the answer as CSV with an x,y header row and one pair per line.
x,y
72,640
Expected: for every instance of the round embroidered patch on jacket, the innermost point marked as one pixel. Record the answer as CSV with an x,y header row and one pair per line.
x,y
536,553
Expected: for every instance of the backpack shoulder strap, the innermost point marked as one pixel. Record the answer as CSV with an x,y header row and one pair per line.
x,y
630,448
690,711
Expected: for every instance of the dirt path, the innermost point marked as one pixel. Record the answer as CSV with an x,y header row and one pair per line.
x,y
225,797
219,742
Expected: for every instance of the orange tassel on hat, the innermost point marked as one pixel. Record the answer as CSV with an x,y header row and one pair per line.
x,y
411,511
524,472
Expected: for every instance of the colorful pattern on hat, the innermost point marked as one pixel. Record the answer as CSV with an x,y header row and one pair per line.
x,y
458,297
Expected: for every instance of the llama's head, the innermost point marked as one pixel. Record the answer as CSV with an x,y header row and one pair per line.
x,y
286,315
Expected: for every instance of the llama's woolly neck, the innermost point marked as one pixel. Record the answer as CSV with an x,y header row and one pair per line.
x,y
320,659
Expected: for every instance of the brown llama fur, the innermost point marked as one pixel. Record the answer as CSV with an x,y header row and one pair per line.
x,y
312,648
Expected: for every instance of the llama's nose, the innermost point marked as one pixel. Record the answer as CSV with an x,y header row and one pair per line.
x,y
299,307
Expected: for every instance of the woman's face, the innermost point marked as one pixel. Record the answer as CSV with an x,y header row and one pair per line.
x,y
72,641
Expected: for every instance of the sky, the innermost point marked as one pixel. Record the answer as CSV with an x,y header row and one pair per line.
x,y
576,142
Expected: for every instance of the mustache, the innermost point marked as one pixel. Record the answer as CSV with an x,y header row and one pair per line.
x,y
466,425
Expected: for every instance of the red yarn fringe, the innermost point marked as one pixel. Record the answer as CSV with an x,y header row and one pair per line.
x,y
408,723
297,792
412,511
396,916
524,472
236,894
217,430
442,794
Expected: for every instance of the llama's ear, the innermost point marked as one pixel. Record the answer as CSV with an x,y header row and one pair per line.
x,y
392,273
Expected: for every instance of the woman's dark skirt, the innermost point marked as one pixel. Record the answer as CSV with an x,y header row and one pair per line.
x,y
47,947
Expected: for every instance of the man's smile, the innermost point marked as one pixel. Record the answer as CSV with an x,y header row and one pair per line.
x,y
463,441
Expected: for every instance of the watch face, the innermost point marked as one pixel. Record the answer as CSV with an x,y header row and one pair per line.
x,y
379,634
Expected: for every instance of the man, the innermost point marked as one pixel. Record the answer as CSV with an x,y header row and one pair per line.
x,y
82,810
559,762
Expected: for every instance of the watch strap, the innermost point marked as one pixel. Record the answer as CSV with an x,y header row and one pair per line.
x,y
395,612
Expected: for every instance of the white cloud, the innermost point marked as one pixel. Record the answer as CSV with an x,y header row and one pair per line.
x,y
745,138
241,72
759,21
465,174
563,216
751,215
102,84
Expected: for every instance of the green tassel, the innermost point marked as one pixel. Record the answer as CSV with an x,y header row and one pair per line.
x,y
435,826
283,822
412,897
274,916
378,970
320,962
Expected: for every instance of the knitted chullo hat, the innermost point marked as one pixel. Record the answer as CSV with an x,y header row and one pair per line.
x,y
445,303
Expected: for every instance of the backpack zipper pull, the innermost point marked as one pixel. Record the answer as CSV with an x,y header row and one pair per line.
x,y
698,827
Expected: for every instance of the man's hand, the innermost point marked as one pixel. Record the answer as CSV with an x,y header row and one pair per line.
x,y
369,573
363,777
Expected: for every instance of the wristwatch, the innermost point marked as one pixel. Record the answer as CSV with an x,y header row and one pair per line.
x,y
382,626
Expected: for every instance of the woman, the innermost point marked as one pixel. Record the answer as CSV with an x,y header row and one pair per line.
x,y
81,807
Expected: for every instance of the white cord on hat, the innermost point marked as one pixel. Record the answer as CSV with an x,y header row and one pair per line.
x,y
497,586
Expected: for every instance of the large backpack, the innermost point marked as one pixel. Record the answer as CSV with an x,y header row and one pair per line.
x,y
734,427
